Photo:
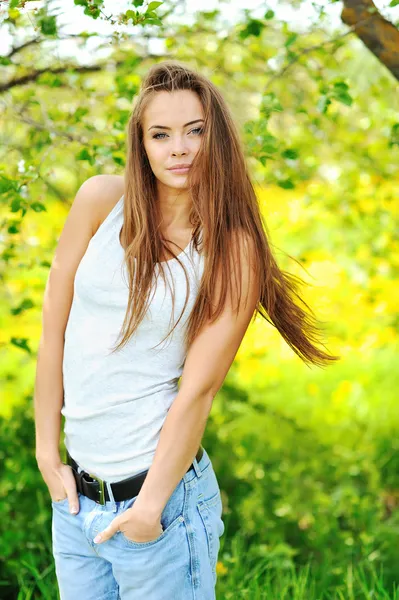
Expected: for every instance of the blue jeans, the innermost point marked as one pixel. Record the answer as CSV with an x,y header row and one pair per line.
x,y
180,564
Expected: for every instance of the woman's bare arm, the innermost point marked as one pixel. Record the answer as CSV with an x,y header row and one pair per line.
x,y
93,199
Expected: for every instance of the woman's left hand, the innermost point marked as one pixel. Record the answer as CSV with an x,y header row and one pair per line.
x,y
134,527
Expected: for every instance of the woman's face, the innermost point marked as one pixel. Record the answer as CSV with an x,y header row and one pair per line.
x,y
172,127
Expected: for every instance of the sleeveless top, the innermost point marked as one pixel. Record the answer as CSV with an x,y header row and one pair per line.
x,y
115,404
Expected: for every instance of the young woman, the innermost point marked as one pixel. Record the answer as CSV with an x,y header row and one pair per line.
x,y
137,512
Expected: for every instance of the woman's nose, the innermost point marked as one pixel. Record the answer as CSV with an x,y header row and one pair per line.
x,y
179,145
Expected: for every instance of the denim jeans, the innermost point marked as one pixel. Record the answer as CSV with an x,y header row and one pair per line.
x,y
180,564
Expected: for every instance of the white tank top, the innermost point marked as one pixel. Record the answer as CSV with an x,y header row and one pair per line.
x,y
115,404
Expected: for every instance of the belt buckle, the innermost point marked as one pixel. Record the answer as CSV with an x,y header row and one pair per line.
x,y
101,489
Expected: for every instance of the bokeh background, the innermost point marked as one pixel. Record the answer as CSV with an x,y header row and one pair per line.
x,y
307,458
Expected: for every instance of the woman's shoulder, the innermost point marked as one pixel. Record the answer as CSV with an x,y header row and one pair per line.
x,y
107,190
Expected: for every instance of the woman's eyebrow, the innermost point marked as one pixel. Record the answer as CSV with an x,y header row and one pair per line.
x,y
164,126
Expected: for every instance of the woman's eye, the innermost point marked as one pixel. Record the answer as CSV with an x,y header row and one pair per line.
x,y
156,136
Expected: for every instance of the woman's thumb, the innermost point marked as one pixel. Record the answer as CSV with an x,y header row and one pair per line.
x,y
73,501
72,493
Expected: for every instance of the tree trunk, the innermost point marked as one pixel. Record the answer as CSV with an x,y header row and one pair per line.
x,y
379,35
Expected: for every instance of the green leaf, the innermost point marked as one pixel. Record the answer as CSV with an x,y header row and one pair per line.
x,y
80,112
286,184
323,103
249,126
84,154
269,143
38,207
48,24
290,40
24,305
92,11
393,3
153,5
138,3
152,21
13,228
341,86
340,93
269,14
21,343
344,98
16,204
254,27
6,184
291,55
119,158
50,79
131,14
270,103
394,135
210,15
290,153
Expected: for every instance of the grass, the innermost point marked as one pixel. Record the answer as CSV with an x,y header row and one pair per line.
x,y
241,578
263,582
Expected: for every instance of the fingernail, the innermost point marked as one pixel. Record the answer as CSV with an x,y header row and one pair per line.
x,y
74,510
97,539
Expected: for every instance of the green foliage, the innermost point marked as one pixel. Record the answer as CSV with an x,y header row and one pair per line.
x,y
25,504
253,27
299,465
394,135
338,91
47,24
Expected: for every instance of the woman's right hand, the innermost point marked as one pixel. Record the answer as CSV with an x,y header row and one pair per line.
x,y
61,484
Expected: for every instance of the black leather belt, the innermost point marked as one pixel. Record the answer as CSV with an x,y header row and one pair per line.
x,y
96,489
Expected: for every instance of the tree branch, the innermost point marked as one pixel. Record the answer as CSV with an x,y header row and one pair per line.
x,y
16,49
40,39
29,77
47,127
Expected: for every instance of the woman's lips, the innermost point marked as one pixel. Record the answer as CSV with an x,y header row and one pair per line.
x,y
180,170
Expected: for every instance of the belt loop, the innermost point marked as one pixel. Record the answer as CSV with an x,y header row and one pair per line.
x,y
111,496
196,466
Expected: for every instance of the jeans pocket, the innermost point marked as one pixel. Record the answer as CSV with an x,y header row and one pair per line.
x,y
64,501
172,516
167,530
59,502
210,510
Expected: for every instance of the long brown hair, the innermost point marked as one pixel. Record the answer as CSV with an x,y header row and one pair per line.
x,y
223,203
